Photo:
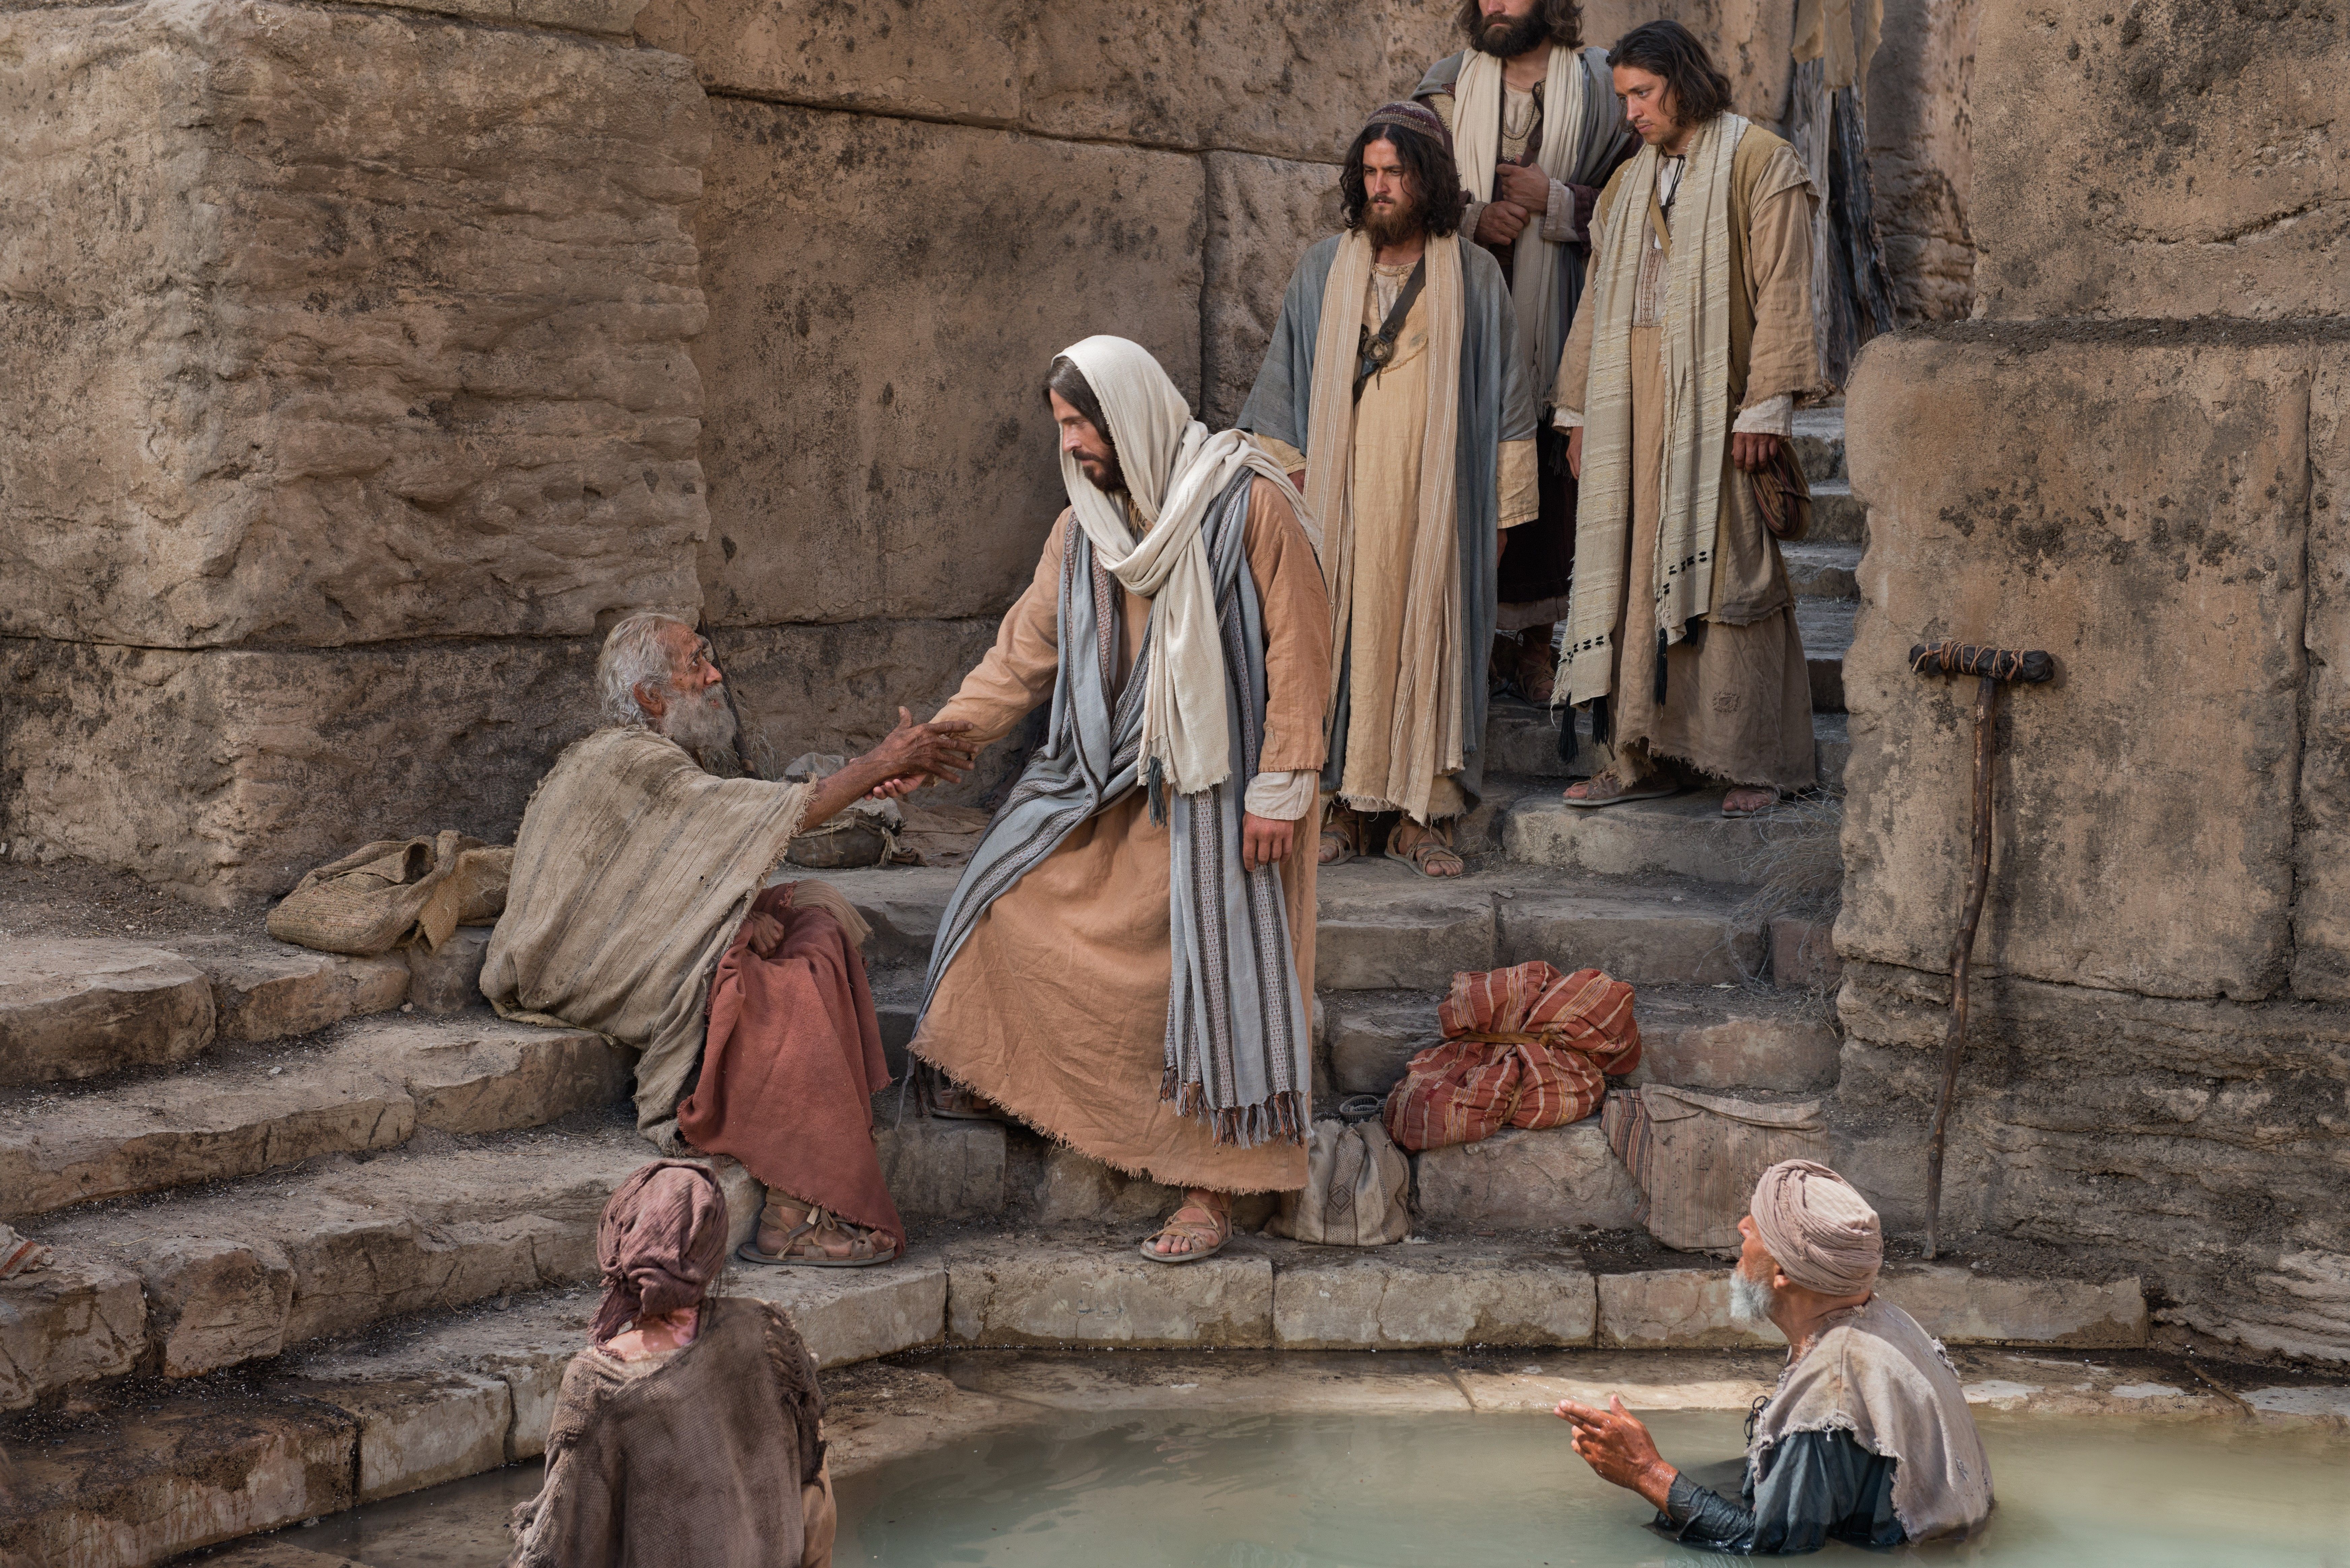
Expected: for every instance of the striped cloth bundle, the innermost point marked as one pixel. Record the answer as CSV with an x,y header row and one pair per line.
x,y
1524,1047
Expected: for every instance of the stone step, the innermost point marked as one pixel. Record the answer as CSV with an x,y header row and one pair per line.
x,y
77,1009
80,1009
1826,629
241,1271
1697,1036
1823,571
1522,741
1384,928
1680,836
1837,515
371,1086
1819,443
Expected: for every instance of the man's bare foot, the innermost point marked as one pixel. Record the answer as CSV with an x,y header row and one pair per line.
x,y
1201,1226
1424,849
1746,800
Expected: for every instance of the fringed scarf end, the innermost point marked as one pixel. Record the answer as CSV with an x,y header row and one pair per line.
x,y
1155,778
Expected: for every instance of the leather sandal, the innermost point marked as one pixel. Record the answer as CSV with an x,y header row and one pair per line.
x,y
1602,790
803,1245
1427,849
1216,1229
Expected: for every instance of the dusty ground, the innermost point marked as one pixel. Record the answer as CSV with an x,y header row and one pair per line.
x,y
73,897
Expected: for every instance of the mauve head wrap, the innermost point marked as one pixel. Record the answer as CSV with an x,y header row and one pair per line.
x,y
660,1244
1821,1233
1412,116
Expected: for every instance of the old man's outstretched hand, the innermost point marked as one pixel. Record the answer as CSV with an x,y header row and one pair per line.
x,y
1618,1448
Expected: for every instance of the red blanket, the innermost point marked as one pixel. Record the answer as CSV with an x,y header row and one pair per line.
x,y
791,1062
1524,1047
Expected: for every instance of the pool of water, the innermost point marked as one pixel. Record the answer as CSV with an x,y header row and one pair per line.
x,y
1291,1491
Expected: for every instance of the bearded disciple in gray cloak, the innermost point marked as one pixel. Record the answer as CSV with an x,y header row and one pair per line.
x,y
1109,970
1413,468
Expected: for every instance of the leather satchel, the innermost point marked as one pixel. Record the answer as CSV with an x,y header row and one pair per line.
x,y
1782,494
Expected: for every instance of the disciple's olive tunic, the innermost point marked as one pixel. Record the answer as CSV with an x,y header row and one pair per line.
x,y
1056,1007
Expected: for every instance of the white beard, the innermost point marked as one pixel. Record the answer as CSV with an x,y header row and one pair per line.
x,y
703,724
1751,1301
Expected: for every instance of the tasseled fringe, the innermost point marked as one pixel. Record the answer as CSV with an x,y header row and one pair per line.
x,y
1662,644
1602,727
1155,779
1243,1127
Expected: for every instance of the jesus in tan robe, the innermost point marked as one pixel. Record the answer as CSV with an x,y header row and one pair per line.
x,y
1055,1004
1682,632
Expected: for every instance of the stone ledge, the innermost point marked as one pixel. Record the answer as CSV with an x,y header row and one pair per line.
x,y
856,1315
79,1319
1674,1309
264,990
1520,1180
1685,835
124,1492
1021,1294
77,1009
1417,1298
369,1090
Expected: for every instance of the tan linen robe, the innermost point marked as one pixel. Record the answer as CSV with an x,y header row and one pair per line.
x,y
1738,694
1383,490
1056,1008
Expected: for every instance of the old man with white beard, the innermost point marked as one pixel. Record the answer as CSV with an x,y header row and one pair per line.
x,y
1867,1438
638,908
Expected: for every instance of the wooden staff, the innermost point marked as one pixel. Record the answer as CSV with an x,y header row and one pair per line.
x,y
1992,666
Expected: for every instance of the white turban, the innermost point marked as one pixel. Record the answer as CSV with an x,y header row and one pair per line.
x,y
1174,471
1822,1233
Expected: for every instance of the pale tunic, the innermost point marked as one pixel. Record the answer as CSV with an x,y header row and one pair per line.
x,y
1738,694
1056,1007
1383,492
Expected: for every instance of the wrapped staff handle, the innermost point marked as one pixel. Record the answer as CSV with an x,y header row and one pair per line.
x,y
1952,657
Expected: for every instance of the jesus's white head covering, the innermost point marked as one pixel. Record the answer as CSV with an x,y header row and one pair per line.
x,y
1174,471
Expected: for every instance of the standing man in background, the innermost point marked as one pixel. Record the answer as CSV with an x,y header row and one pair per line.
x,y
1678,387
1536,130
1394,386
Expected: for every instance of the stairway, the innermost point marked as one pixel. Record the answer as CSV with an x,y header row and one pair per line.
x,y
323,1227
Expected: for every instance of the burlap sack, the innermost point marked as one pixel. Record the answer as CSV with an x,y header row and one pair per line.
x,y
1356,1192
395,890
1698,1156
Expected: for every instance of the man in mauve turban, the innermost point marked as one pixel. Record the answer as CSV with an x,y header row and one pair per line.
x,y
689,1431
1866,1440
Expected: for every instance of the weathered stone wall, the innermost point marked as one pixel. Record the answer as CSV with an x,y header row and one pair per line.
x,y
1921,153
907,213
360,365
2159,1065
336,342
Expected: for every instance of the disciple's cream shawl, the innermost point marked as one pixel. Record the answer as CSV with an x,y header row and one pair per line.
x,y
632,869
1477,143
1426,738
1696,332
1174,470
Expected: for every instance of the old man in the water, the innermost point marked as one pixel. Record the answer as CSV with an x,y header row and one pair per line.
x,y
1867,1440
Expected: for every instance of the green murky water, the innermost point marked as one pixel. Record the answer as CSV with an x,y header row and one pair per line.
x,y
1368,1491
